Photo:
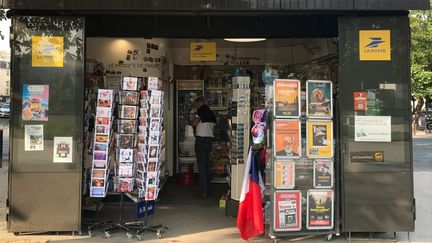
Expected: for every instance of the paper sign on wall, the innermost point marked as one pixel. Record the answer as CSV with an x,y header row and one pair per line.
x,y
372,129
202,51
374,45
47,51
360,99
63,150
35,102
33,138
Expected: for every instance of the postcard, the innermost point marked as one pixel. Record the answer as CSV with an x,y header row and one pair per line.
x,y
103,112
98,155
130,83
102,120
128,112
101,147
63,150
98,173
125,169
101,138
126,155
141,166
105,94
127,126
129,97
100,164
102,129
103,102
153,151
150,193
126,184
33,138
98,182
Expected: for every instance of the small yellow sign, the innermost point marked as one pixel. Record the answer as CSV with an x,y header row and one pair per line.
x,y
47,51
374,45
203,51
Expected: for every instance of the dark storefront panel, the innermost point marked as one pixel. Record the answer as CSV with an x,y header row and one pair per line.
x,y
377,192
43,195
218,5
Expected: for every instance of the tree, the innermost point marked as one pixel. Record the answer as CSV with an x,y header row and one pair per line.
x,y
421,59
2,18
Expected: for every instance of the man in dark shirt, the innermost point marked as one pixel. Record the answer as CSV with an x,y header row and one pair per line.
x,y
204,124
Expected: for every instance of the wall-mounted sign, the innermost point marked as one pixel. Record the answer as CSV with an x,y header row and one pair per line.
x,y
360,99
203,51
47,51
374,45
367,156
372,129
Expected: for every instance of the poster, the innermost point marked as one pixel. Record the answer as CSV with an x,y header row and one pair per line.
x,y
287,143
284,175
372,129
47,51
35,99
33,138
287,211
286,102
63,149
320,207
319,139
323,174
319,100
360,101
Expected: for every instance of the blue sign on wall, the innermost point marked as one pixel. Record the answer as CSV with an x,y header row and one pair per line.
x,y
141,207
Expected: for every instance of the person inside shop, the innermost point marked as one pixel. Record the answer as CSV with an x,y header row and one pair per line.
x,y
203,123
288,147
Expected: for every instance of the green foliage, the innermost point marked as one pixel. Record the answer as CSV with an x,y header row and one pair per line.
x,y
421,53
2,18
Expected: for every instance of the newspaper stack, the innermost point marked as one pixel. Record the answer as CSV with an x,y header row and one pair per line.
x,y
102,138
125,136
149,141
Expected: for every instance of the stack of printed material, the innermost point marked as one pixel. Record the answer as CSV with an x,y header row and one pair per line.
x,y
102,138
125,136
149,141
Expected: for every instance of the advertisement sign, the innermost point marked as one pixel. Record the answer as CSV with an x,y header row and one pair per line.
x,y
319,142
320,209
33,138
287,211
372,129
319,100
284,174
360,101
287,138
47,51
367,156
63,150
374,45
323,174
286,101
202,51
35,100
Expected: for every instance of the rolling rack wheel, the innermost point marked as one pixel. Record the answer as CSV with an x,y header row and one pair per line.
x,y
107,235
140,237
129,235
159,234
328,237
16,233
89,233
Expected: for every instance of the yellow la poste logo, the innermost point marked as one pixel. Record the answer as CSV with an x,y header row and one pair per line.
x,y
374,45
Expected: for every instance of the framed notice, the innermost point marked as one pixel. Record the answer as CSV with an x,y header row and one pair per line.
x,y
320,208
319,142
286,98
323,174
287,138
372,129
319,101
287,211
284,174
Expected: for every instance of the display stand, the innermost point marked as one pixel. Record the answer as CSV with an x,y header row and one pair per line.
x,y
121,225
96,223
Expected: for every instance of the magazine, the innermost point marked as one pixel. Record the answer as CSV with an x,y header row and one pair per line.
x,y
287,138
287,210
319,99
286,98
284,174
323,174
319,209
319,139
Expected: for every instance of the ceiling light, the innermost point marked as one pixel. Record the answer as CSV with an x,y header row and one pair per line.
x,y
244,39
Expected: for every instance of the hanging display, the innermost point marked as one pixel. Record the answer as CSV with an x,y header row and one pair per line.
x,y
320,209
319,139
284,174
319,100
286,98
287,138
323,174
287,211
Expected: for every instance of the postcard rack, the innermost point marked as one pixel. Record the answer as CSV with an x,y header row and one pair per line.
x,y
304,166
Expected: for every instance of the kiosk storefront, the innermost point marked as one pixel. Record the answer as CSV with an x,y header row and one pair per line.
x,y
366,41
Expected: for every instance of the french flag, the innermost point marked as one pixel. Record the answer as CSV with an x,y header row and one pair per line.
x,y
250,217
